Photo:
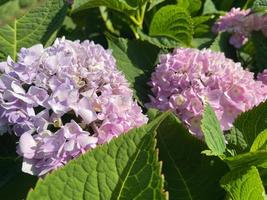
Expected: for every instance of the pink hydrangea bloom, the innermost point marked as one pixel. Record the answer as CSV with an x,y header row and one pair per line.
x,y
240,23
263,77
186,79
64,100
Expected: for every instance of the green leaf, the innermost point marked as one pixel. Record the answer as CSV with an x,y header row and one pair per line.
x,y
119,5
173,22
212,131
194,6
236,141
260,143
209,8
243,184
224,5
14,184
8,11
201,19
259,5
260,43
258,159
201,43
153,3
263,174
183,4
202,30
221,43
188,173
201,27
159,41
136,59
153,113
125,168
26,3
35,27
251,123
191,5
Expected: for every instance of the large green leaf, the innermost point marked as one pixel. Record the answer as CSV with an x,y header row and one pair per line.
x,y
212,131
136,59
159,41
243,184
173,22
125,168
201,43
35,27
260,143
258,159
189,174
251,123
119,5
236,142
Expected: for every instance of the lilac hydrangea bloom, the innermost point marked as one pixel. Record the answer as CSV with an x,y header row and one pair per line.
x,y
240,23
186,79
64,100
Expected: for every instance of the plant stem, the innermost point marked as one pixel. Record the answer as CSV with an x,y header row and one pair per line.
x,y
108,23
133,28
138,20
135,21
142,14
248,4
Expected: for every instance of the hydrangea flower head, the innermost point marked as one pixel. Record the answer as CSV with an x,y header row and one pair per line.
x,y
188,78
240,23
64,100
231,20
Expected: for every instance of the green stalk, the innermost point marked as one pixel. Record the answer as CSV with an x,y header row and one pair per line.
x,y
108,23
138,20
133,28
248,3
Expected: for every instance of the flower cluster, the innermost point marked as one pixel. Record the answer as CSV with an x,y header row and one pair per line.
x,y
188,78
240,23
64,100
